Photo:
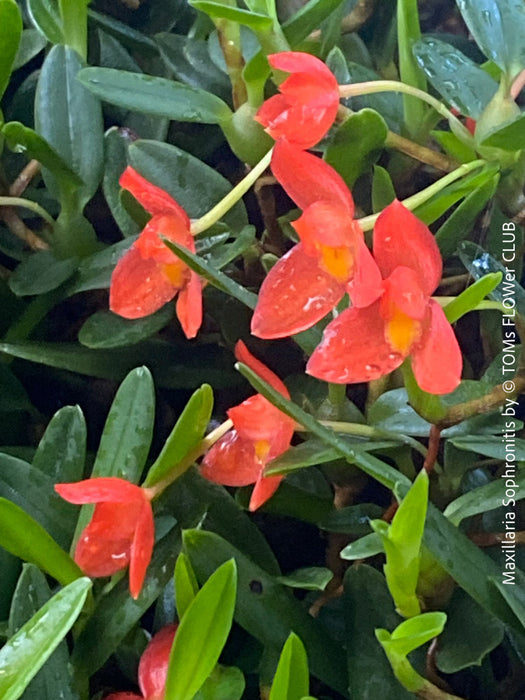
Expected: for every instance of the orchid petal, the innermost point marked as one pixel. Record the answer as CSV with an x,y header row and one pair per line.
x,y
189,306
308,179
403,293
437,359
154,199
296,294
153,665
141,549
264,488
366,284
103,489
354,348
245,356
138,286
400,238
151,245
231,461
300,62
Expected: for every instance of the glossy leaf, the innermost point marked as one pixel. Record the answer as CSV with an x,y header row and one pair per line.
x,y
186,586
185,436
62,450
383,192
40,273
254,20
463,84
509,137
27,539
291,680
498,27
367,546
26,652
46,17
73,17
471,296
10,33
311,578
224,683
117,142
459,224
70,119
307,18
129,37
202,633
157,96
490,446
54,679
266,609
32,42
107,330
357,144
368,605
408,32
94,272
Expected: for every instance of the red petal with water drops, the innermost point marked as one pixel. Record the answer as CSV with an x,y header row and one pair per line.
x,y
296,294
257,419
354,348
401,239
263,490
366,285
154,199
153,666
100,490
231,461
138,286
403,292
245,356
436,360
151,245
189,306
141,549
308,179
300,62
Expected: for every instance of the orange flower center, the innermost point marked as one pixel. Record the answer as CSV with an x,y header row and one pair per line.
x,y
176,272
339,262
402,331
262,449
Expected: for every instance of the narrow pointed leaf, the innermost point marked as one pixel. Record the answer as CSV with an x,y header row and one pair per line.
x,y
10,33
291,680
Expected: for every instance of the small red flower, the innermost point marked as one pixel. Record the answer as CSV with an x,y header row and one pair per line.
x,y
153,667
149,274
362,344
260,433
121,531
308,103
331,259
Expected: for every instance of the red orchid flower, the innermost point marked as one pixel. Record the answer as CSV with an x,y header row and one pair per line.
x,y
260,433
308,103
331,259
149,274
121,531
366,343
153,667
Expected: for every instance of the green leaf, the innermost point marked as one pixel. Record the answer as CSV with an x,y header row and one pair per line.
x,y
45,15
117,142
27,539
94,272
10,33
383,192
73,14
129,37
310,578
215,277
108,330
453,146
153,95
185,436
266,609
408,32
357,144
186,586
459,224
61,452
54,679
490,446
402,544
254,20
192,183
41,272
308,18
354,520
413,633
27,651
368,605
31,44
70,119
367,546
471,297
461,645
22,138
510,137
224,683
291,680
463,84
498,26
202,634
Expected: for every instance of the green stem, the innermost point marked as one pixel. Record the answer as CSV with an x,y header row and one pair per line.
x,y
218,211
336,394
367,222
374,86
27,204
367,431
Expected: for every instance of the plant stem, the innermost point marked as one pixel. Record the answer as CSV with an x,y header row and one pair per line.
x,y
374,86
367,431
215,214
27,204
416,200
336,394
204,445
